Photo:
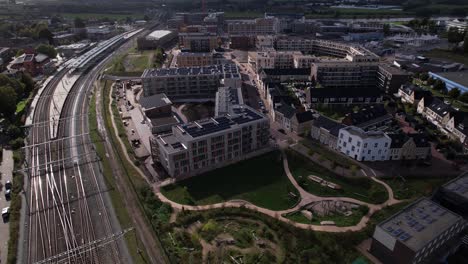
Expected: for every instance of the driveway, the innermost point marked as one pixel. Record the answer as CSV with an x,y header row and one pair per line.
x,y
6,169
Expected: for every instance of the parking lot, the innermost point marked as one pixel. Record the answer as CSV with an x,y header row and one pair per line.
x,y
6,169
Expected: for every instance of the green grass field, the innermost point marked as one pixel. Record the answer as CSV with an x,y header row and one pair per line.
x,y
363,189
413,188
260,180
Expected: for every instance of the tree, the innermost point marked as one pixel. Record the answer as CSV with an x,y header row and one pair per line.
x,y
454,36
46,34
424,76
439,85
463,97
430,81
454,93
28,82
79,23
47,50
386,29
8,99
17,86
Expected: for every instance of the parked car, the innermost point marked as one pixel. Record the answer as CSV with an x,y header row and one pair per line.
x,y
8,195
8,185
6,214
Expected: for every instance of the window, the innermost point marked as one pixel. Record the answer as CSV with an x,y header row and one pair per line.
x,y
359,143
365,145
386,144
380,151
368,152
350,140
353,148
376,145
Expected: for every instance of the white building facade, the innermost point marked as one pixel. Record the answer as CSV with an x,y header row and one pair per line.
x,y
364,146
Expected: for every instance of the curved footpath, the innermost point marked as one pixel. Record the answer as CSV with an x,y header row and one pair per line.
x,y
306,198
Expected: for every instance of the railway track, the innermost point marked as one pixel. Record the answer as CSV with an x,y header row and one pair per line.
x,y
68,207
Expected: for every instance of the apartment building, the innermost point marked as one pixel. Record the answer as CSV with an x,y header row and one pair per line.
x,y
258,26
288,43
337,96
272,59
304,61
205,145
364,145
194,59
190,82
422,232
198,41
345,74
390,78
228,99
265,42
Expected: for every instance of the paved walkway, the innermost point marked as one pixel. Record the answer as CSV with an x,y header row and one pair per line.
x,y
6,169
306,198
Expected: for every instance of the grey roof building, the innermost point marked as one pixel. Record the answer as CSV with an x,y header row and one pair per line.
x,y
420,233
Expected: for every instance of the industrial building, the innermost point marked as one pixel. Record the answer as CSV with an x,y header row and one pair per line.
x,y
156,39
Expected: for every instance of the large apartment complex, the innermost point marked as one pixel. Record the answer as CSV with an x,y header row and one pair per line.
x,y
205,145
190,82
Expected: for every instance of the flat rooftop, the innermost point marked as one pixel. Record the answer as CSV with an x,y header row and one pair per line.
x,y
205,127
158,34
458,77
154,101
458,185
228,70
419,223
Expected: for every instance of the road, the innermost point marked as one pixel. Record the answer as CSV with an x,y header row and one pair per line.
x,y
68,207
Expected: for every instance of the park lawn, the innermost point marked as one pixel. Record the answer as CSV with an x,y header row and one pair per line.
x,y
260,180
327,153
138,62
413,188
363,189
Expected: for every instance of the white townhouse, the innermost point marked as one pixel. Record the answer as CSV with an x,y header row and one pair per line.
x,y
364,146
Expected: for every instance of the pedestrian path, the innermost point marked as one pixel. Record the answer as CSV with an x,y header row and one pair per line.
x,y
306,198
